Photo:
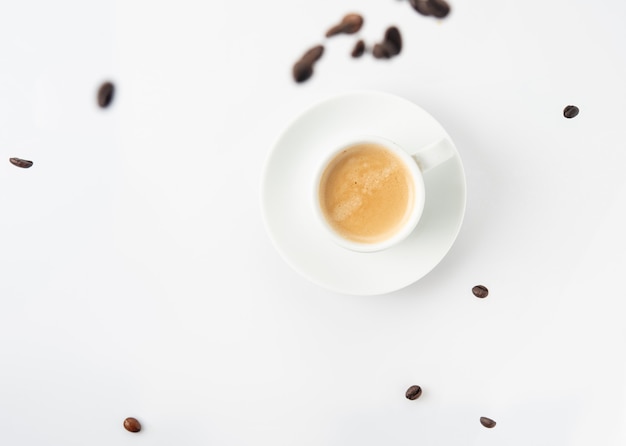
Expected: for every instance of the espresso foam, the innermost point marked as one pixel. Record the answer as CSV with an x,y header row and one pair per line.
x,y
366,193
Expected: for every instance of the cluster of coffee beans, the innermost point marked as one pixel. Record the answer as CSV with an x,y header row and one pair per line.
x,y
390,46
303,68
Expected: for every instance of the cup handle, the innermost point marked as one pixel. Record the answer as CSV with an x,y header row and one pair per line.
x,y
434,154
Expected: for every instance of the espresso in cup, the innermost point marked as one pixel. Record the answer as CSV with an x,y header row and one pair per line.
x,y
366,193
369,192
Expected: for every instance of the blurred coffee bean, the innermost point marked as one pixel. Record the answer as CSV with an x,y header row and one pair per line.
x,y
380,51
390,46
480,291
487,422
303,68
24,164
393,40
302,71
359,49
436,8
570,111
350,24
439,8
414,392
105,94
421,6
132,424
313,55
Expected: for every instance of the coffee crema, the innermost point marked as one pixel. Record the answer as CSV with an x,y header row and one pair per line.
x,y
366,193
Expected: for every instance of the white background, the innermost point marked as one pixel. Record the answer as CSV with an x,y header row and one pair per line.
x,y
137,279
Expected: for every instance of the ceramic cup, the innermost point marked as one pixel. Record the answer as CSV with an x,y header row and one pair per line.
x,y
369,192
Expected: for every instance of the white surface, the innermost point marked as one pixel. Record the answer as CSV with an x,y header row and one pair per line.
x,y
288,190
136,277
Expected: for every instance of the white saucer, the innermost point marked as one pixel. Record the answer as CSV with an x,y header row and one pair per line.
x,y
287,193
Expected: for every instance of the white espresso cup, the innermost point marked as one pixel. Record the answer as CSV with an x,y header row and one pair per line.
x,y
369,193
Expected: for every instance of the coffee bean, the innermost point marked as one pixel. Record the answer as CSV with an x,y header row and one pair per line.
x,y
24,164
359,49
303,68
439,8
436,8
570,111
487,422
350,24
132,424
414,392
480,291
390,46
393,40
313,55
380,51
302,71
421,6
105,94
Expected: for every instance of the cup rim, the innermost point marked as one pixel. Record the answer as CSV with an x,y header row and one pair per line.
x,y
418,195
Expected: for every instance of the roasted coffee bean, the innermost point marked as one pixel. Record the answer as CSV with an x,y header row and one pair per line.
x,y
570,111
436,8
480,291
132,424
421,6
393,40
380,51
350,24
487,422
313,55
24,164
414,392
302,71
105,94
359,49
439,8
390,46
303,68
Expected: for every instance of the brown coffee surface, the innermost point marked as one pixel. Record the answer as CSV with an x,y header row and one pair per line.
x,y
366,193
